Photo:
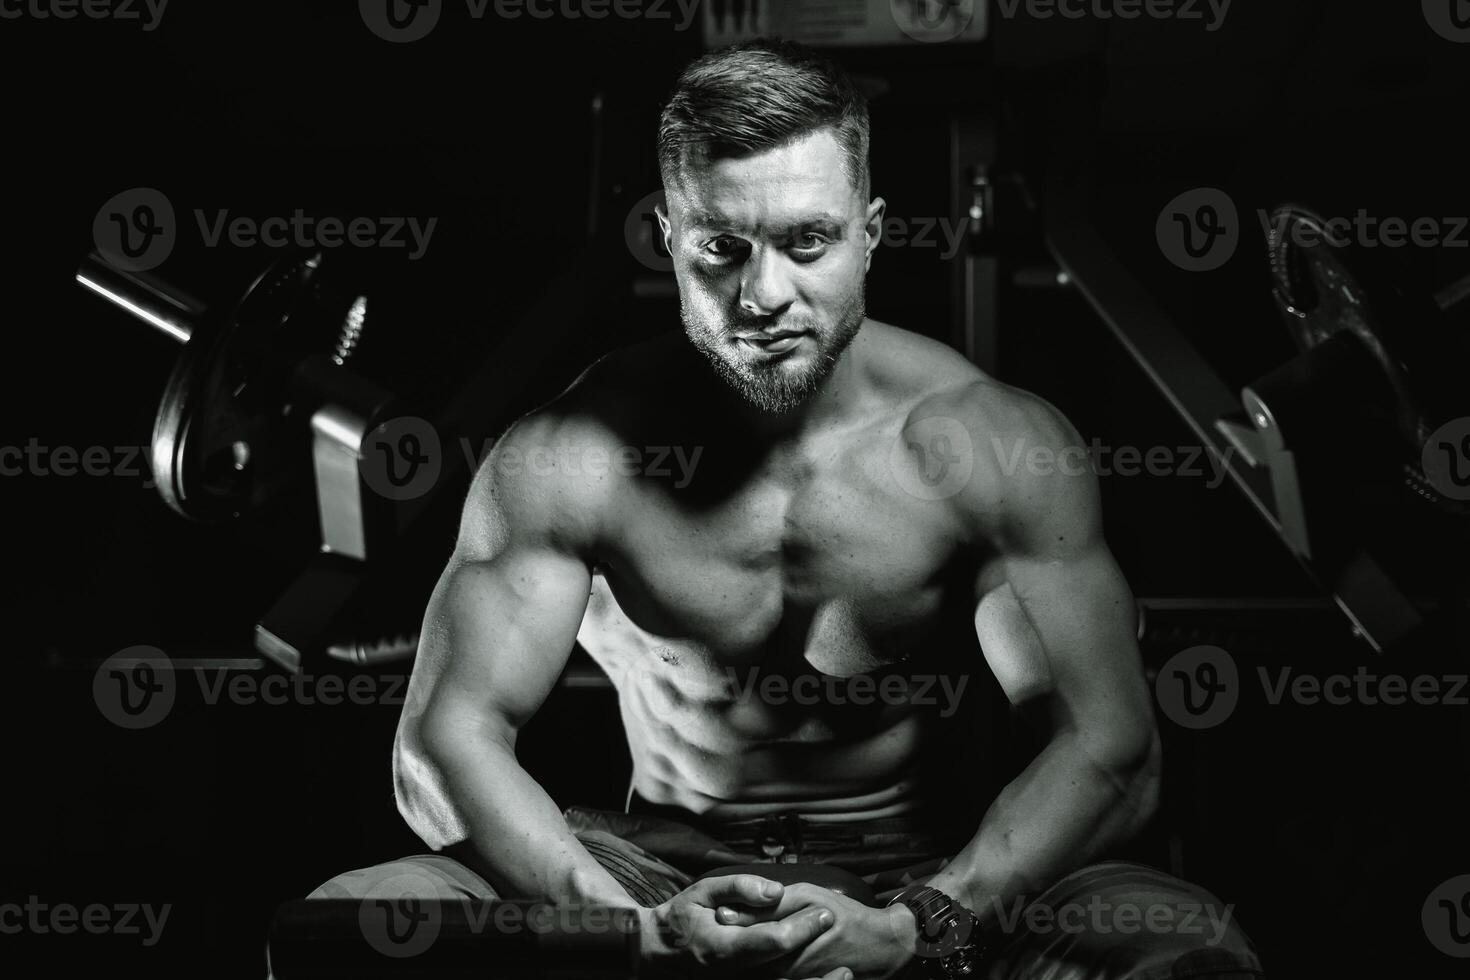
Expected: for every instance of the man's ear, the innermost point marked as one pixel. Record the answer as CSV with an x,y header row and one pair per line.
x,y
874,229
665,226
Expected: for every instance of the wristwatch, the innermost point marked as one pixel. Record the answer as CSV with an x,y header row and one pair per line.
x,y
950,944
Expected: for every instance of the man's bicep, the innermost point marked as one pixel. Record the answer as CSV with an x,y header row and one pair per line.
x,y
504,616
1082,612
505,629
1074,597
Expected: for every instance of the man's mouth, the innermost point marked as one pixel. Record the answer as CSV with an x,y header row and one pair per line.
x,y
772,342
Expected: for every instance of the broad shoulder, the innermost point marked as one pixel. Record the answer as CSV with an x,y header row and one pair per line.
x,y
911,366
552,475
1008,460
927,380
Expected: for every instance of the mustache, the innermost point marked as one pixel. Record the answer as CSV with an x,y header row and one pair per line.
x,y
769,324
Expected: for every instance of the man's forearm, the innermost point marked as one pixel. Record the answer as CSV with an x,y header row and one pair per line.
x,y
1063,811
478,795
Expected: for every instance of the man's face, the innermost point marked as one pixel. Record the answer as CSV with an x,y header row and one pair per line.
x,y
770,251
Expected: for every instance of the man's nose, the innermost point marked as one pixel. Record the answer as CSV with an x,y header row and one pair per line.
x,y
766,286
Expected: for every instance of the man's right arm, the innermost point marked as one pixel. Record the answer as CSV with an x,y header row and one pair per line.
x,y
497,634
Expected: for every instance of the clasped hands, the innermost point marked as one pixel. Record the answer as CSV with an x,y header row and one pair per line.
x,y
746,925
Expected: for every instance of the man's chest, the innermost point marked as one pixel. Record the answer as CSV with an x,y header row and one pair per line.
x,y
841,569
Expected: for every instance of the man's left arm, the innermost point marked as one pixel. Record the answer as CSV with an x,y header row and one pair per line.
x,y
1059,631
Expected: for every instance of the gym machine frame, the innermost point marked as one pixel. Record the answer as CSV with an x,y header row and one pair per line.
x,y
1260,462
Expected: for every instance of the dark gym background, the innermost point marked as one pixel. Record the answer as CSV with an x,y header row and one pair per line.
x,y
1325,826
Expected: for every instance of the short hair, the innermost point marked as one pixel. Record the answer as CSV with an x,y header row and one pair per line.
x,y
757,95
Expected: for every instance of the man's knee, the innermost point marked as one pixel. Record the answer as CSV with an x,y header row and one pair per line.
x,y
1122,920
423,876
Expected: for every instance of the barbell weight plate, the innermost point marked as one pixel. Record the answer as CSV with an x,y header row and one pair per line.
x,y
220,443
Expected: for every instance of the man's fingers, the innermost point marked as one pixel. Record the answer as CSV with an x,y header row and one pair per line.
x,y
736,889
727,916
793,899
788,935
841,973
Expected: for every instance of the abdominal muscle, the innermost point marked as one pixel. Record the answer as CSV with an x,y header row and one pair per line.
x,y
703,737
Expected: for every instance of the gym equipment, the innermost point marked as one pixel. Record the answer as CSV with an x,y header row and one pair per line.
x,y
1359,329
224,438
1370,375
339,939
260,403
827,876
263,405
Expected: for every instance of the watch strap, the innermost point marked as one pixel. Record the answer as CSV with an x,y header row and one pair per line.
x,y
949,941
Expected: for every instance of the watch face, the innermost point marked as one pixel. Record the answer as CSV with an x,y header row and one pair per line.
x,y
943,935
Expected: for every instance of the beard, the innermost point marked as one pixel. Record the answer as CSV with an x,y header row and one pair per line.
x,y
775,385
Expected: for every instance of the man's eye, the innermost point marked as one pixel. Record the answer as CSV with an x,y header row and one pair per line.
x,y
811,241
723,247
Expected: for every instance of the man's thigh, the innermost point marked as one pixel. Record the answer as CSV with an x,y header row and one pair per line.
x,y
436,876
1123,920
452,875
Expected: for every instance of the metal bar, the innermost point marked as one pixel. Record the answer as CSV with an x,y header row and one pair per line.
x,y
978,302
974,273
1280,462
1176,369
168,310
222,662
337,432
379,650
1453,294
